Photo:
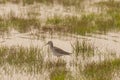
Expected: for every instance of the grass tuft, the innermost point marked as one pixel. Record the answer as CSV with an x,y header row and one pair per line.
x,y
103,70
84,48
20,24
58,74
18,56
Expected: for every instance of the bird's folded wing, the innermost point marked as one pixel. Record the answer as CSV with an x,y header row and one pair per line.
x,y
61,51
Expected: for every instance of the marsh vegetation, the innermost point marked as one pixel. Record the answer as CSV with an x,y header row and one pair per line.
x,y
32,61
84,27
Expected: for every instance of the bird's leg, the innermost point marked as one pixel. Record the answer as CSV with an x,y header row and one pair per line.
x,y
59,60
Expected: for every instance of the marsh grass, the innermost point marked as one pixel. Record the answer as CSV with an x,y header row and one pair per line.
x,y
105,23
58,74
4,27
55,20
103,70
110,5
30,58
91,23
72,24
112,8
85,49
52,64
76,3
20,24
24,25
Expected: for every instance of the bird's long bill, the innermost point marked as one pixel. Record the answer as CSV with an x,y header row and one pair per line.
x,y
45,44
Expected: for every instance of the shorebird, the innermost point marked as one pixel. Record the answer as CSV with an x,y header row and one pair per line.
x,y
57,51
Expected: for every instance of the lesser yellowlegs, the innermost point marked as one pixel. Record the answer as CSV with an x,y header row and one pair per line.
x,y
57,51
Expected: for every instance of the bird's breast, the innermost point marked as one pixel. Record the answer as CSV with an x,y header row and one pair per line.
x,y
55,52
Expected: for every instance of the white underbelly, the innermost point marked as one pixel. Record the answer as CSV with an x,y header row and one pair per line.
x,y
56,53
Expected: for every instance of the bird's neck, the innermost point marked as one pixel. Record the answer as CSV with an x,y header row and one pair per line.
x,y
51,46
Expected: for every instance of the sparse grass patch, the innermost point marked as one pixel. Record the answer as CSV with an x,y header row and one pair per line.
x,y
30,58
110,5
103,70
105,23
20,24
84,48
112,9
90,23
55,20
52,64
28,2
73,24
24,25
76,3
4,27
58,74
83,25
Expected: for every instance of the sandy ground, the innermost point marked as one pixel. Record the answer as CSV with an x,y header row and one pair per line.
x,y
14,74
44,11
104,43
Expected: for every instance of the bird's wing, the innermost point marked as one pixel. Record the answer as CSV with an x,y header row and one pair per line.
x,y
61,51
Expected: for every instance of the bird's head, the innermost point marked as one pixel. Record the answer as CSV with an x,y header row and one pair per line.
x,y
50,43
